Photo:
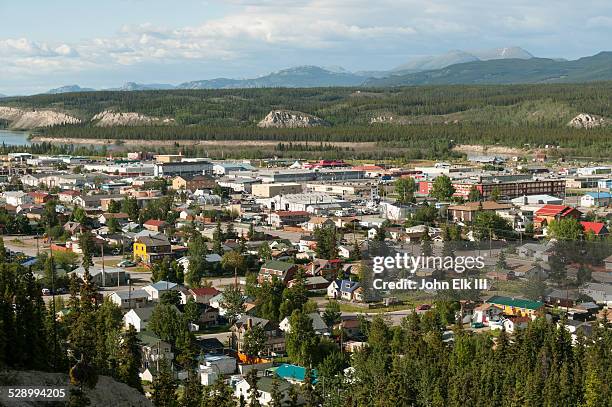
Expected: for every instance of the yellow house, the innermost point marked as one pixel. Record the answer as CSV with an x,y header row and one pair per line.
x,y
516,306
149,249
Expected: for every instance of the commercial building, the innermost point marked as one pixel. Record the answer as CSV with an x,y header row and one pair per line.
x,y
173,168
269,190
507,189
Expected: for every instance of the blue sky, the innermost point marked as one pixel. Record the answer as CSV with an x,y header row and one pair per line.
x,y
45,44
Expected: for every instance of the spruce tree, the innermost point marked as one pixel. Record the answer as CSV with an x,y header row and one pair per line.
x,y
129,359
164,386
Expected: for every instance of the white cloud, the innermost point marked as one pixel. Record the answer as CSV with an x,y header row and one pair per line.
x,y
255,32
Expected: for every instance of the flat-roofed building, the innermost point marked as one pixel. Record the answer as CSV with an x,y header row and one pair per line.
x,y
268,190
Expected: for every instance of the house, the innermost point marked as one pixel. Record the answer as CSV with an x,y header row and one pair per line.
x,y
155,225
576,328
130,299
153,349
202,295
67,196
600,293
512,324
288,218
561,298
74,227
294,374
346,252
351,326
343,290
275,341
534,251
545,214
516,306
395,211
326,268
149,249
312,283
485,313
265,388
40,197
319,326
138,318
106,217
192,182
596,199
598,229
156,290
318,222
466,212
104,278
274,268
17,198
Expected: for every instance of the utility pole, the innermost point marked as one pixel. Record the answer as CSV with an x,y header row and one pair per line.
x,y
103,272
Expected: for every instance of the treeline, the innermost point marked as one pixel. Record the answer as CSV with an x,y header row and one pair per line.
x,y
437,138
339,106
83,337
411,365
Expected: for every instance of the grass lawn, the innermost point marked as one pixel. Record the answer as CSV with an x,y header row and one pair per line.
x,y
354,308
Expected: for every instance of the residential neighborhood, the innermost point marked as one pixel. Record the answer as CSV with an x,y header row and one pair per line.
x,y
241,271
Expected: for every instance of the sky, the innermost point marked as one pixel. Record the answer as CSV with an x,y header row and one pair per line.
x,y
46,44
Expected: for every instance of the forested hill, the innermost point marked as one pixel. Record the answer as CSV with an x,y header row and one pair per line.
x,y
507,71
550,105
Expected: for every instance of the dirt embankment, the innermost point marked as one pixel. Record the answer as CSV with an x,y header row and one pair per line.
x,y
21,119
471,149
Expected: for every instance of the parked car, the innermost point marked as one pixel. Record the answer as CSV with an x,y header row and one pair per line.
x,y
423,307
126,263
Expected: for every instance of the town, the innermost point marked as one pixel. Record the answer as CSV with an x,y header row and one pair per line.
x,y
252,279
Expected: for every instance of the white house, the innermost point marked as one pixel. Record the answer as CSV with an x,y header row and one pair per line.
x,y
319,326
600,293
130,299
157,289
394,211
591,199
344,290
138,318
264,385
17,198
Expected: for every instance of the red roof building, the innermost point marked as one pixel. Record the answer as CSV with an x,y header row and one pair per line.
x,y
155,225
598,228
555,212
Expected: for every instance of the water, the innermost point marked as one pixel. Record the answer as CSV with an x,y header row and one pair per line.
x,y
14,138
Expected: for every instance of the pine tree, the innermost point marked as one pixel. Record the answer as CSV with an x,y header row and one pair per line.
x,y
164,386
128,369
254,393
193,392
275,393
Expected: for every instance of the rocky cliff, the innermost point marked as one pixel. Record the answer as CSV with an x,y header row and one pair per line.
x,y
109,118
107,392
289,119
21,119
588,121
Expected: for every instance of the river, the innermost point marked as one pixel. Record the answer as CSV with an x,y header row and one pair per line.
x,y
14,138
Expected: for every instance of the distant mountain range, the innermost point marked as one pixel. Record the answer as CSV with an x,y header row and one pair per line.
x,y
508,71
459,57
68,89
494,66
